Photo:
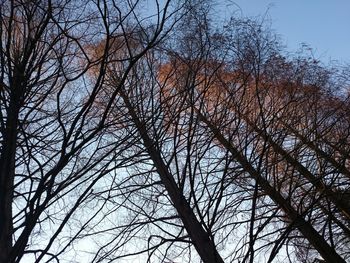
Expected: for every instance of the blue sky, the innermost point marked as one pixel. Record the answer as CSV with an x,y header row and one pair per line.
x,y
323,24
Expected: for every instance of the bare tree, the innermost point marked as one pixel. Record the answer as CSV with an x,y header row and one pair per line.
x,y
157,135
56,143
236,102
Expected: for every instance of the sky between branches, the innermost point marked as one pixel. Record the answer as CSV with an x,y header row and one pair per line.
x,y
324,25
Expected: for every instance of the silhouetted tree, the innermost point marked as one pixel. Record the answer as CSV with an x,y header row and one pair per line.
x,y
57,151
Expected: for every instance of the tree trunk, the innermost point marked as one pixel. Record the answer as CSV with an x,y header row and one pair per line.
x,y
202,241
306,229
322,188
7,171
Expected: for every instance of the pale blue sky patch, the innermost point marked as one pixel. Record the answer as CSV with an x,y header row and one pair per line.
x,y
324,25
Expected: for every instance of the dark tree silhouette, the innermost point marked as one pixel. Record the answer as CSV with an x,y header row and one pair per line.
x,y
56,146
152,133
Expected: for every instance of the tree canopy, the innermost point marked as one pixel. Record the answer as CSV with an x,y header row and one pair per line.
x,y
144,130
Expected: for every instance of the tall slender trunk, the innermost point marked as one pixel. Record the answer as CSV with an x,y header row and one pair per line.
x,y
340,167
321,187
7,172
7,168
305,228
201,239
